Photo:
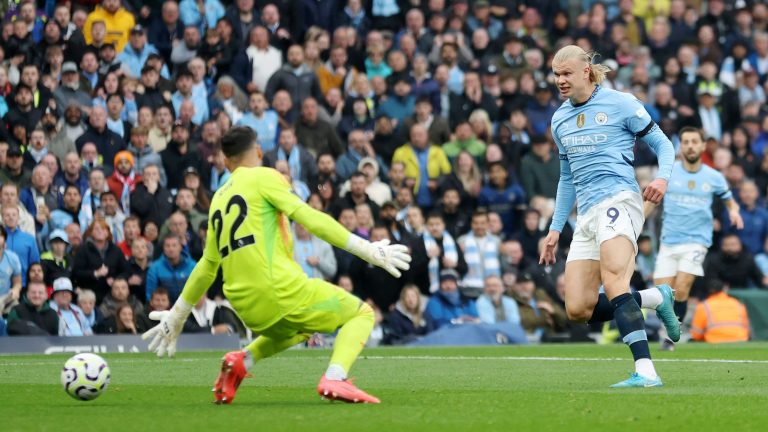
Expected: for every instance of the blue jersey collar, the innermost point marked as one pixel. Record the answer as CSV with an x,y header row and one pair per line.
x,y
597,87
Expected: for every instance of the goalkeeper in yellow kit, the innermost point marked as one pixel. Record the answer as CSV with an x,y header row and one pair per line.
x,y
249,236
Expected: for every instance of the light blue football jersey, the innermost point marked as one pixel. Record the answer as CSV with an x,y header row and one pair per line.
x,y
598,138
687,215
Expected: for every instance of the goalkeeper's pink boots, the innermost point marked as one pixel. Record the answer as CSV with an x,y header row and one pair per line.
x,y
343,391
232,373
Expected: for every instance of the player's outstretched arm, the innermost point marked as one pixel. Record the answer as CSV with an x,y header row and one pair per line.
x,y
164,335
391,257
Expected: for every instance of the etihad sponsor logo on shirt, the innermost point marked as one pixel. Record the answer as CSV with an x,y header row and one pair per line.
x,y
580,150
580,140
687,200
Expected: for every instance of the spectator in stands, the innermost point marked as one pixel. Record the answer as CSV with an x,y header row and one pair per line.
x,y
755,217
540,169
481,251
113,216
424,162
160,133
538,314
436,125
40,199
86,300
473,97
262,120
178,226
69,212
21,243
9,197
209,317
122,322
733,265
407,321
186,50
119,294
401,103
138,264
493,306
33,316
316,135
72,320
464,140
14,171
56,264
123,180
530,234
720,318
168,30
184,92
296,78
159,301
150,201
71,91
449,306
373,283
300,161
359,148
98,261
91,203
108,143
179,156
502,196
71,174
118,23
10,276
171,270
441,250
313,254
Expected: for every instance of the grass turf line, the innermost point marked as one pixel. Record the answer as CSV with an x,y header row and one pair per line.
x,y
425,389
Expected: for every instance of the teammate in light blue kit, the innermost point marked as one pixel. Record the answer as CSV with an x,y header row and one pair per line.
x,y
595,131
686,232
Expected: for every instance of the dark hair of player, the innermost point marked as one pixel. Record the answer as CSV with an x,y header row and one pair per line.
x,y
688,129
237,141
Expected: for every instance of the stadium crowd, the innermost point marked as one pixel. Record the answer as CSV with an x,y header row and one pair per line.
x,y
422,121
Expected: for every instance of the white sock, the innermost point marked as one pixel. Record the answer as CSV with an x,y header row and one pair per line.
x,y
248,360
651,298
644,367
335,373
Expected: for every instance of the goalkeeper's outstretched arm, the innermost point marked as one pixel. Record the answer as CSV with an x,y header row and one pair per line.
x,y
391,258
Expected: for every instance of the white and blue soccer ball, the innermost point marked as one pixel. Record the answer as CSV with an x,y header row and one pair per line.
x,y
85,376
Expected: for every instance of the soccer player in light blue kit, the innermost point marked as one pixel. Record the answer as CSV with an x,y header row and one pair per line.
x,y
595,131
686,232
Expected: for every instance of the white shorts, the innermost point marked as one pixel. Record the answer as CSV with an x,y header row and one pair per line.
x,y
686,258
620,215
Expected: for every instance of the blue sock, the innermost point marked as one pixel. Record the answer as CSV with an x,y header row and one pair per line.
x,y
629,320
681,307
603,311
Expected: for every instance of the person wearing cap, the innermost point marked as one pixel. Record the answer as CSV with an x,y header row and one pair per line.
x,y
70,91
124,178
10,279
33,316
136,53
23,112
56,263
14,171
708,115
118,20
448,306
72,320
540,169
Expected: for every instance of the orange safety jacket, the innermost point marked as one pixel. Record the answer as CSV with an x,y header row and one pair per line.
x,y
720,318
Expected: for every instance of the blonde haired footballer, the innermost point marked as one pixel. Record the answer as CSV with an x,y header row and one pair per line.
x,y
249,236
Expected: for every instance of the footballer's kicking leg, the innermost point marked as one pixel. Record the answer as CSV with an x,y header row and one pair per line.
x,y
617,263
236,364
681,283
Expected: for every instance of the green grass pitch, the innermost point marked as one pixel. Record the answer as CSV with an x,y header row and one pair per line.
x,y
536,388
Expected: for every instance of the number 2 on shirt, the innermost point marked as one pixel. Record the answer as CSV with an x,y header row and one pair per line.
x,y
218,224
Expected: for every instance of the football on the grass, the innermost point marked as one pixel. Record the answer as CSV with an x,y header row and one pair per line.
x,y
85,376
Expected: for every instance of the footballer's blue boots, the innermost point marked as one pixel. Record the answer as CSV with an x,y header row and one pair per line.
x,y
637,380
666,312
